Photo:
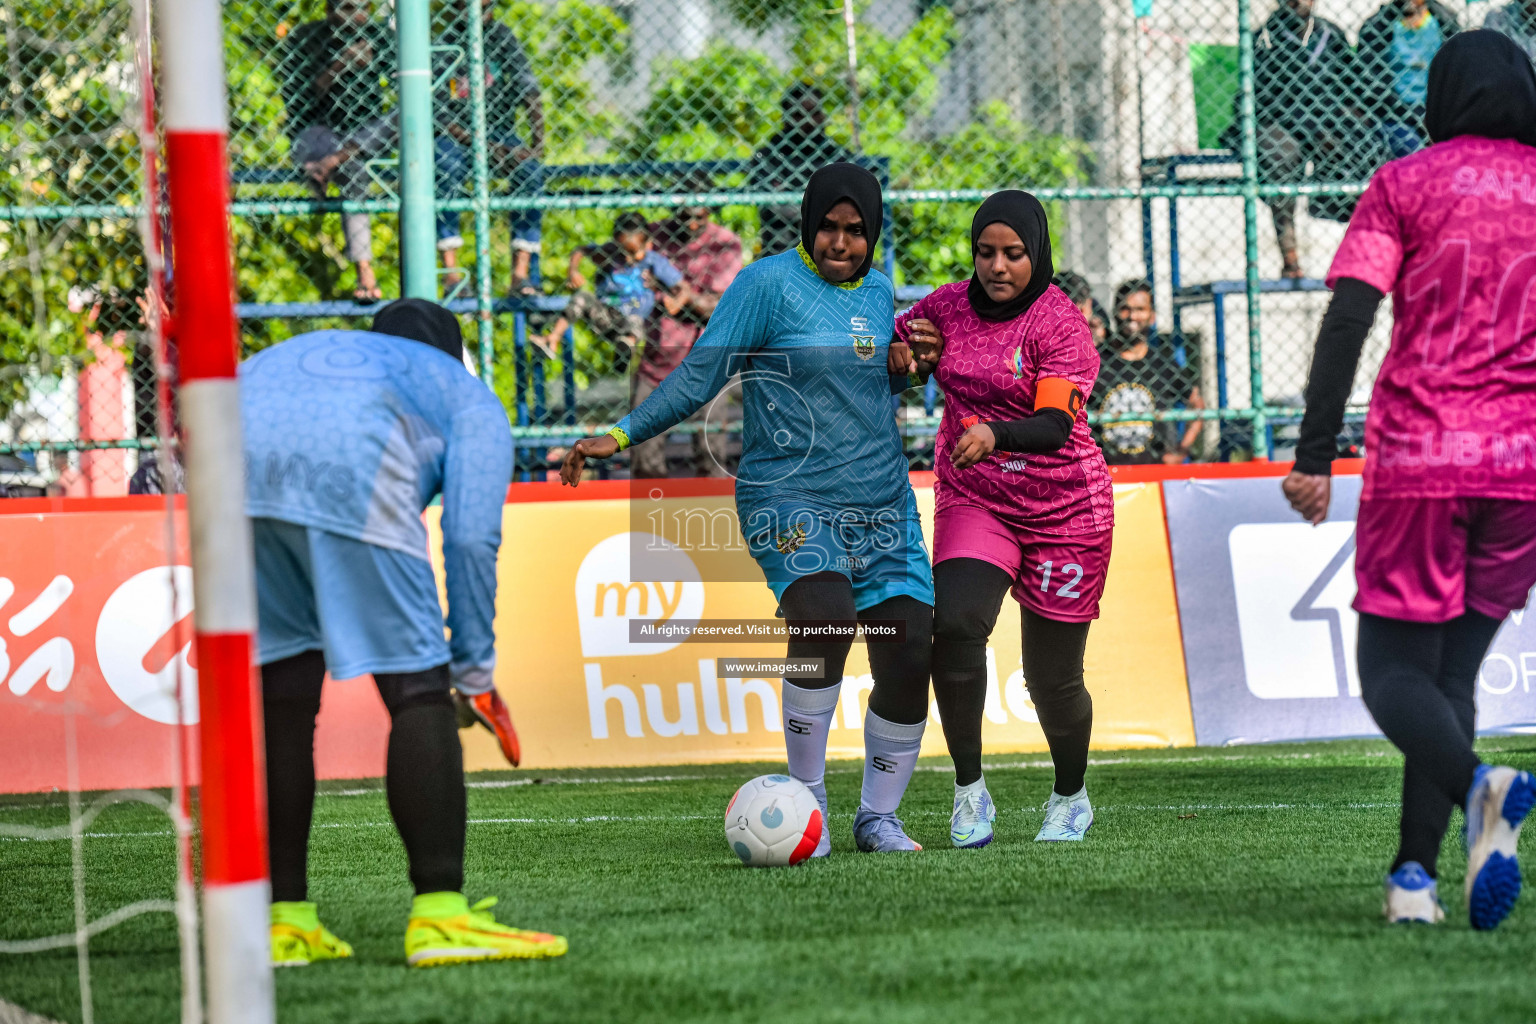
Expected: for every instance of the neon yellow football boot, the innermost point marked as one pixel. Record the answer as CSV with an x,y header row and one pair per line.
x,y
299,939
445,929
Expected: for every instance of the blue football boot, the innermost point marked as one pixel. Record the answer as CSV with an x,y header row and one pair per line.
x,y
1412,896
881,833
1067,818
1497,804
970,825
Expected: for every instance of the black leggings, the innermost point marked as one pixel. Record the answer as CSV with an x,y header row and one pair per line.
x,y
900,669
968,595
1419,680
424,772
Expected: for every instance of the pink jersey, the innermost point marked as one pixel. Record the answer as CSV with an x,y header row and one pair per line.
x,y
988,372
1451,232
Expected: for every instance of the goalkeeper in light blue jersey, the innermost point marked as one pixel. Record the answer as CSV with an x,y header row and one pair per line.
x,y
823,495
349,436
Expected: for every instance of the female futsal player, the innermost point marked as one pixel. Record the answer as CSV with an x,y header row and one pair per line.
x,y
1445,541
823,495
1023,502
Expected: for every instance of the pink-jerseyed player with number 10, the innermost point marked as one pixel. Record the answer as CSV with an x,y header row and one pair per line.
x,y
1023,502
1445,542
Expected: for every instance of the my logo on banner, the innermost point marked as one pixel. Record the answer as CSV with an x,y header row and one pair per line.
x,y
607,599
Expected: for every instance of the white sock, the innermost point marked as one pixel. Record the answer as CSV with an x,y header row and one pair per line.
x,y
890,754
807,719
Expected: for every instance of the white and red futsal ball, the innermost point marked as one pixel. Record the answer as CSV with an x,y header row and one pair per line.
x,y
773,821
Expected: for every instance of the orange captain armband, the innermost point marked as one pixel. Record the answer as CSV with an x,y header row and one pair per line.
x,y
1058,393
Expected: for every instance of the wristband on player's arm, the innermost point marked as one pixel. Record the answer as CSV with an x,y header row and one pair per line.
x,y
921,371
919,374
619,436
1340,340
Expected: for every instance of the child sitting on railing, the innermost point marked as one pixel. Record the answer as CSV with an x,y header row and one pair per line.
x,y
631,276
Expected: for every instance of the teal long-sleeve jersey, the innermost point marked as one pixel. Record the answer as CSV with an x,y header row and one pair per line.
x,y
818,430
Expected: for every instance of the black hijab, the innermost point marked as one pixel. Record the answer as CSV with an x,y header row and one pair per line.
x,y
1022,212
831,185
423,321
1481,83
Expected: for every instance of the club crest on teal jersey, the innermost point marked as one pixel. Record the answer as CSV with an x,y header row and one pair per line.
x,y
790,540
863,344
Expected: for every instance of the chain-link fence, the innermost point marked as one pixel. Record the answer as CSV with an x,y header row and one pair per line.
x,y
551,119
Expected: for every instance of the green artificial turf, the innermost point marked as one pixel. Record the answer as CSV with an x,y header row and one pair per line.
x,y
1217,885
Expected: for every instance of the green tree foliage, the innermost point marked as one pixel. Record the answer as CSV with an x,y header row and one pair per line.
x,y
992,152
724,105
301,257
68,133
720,105
66,142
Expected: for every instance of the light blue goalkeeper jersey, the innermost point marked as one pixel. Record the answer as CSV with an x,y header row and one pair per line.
x,y
355,433
818,430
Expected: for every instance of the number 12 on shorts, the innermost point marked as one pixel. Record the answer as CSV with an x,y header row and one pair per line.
x,y
1072,570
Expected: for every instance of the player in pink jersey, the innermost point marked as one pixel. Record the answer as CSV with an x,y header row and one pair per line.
x,y
1445,543
1023,502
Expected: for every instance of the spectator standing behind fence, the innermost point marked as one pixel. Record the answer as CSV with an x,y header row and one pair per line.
x,y
1076,287
786,162
147,478
334,92
1142,373
1517,20
709,257
1302,70
630,272
510,89
1396,45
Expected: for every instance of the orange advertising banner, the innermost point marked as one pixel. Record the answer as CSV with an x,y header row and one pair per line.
x,y
95,638
96,643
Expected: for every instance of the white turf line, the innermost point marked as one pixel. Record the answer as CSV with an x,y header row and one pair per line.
x,y
571,780
603,819
994,765
575,780
552,781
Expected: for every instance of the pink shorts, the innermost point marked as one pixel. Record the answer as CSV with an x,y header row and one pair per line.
x,y
1431,559
1060,578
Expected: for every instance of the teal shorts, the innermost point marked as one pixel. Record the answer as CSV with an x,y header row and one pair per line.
x,y
882,553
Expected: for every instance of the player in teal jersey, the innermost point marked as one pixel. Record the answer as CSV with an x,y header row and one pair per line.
x,y
823,495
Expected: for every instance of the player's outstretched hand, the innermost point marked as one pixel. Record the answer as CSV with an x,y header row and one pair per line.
x,y
898,358
927,343
974,445
1308,495
604,447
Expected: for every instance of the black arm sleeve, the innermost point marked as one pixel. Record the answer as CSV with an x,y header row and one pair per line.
x,y
1045,431
1340,340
